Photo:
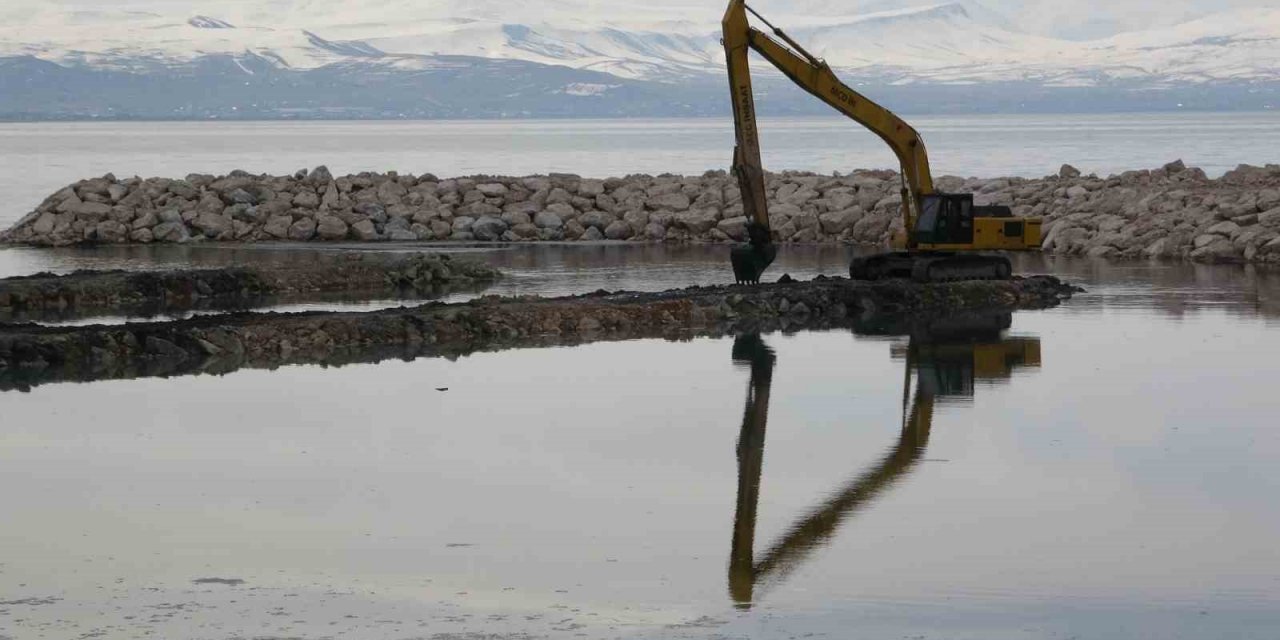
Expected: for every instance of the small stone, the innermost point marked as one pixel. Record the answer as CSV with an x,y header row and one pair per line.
x,y
697,221
213,225
1205,239
306,199
597,219
440,229
91,210
559,196
513,218
488,228
183,189
146,220
171,232
463,224
548,220
1270,218
277,226
835,222
331,197
111,231
320,175
1068,172
364,230
618,230
240,196
524,231
331,228
564,210
422,231
210,203
391,192
671,201
1225,228
493,189
302,230
373,210
591,188
44,224
400,223
734,228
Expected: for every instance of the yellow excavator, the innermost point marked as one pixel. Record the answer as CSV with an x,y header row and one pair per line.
x,y
943,230
946,359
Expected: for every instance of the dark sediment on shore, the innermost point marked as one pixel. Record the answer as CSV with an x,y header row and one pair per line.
x,y
31,355
82,294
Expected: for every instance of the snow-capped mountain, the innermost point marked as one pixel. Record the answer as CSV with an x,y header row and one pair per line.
x,y
617,46
959,41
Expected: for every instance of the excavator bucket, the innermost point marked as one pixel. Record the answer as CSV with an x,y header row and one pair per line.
x,y
750,261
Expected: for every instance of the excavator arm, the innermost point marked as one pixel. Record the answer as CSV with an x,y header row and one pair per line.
x,y
816,77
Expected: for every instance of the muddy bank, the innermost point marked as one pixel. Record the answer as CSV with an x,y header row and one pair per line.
x,y
31,355
142,293
1171,212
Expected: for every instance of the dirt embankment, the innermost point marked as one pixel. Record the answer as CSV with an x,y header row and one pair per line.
x,y
91,293
32,355
1171,212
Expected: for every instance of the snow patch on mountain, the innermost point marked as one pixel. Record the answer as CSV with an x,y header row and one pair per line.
x,y
584,89
966,41
205,22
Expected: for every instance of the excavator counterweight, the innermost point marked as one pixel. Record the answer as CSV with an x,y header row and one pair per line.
x,y
944,231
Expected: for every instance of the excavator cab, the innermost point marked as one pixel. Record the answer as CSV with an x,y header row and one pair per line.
x,y
950,221
945,219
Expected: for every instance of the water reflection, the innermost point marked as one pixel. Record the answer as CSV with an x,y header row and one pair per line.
x,y
947,359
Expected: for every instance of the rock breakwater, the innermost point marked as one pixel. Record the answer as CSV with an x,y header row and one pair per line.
x,y
1171,212
89,293
32,355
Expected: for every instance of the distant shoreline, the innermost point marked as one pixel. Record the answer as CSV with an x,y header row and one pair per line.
x,y
725,118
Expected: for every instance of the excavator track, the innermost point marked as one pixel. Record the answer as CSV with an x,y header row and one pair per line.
x,y
931,266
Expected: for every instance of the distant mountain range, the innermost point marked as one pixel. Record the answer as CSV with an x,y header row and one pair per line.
x,y
595,58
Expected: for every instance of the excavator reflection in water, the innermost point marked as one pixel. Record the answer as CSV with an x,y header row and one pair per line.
x,y
946,359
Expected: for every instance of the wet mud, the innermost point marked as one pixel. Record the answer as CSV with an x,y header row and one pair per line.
x,y
32,355
48,297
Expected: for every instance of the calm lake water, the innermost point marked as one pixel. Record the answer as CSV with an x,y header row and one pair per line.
x,y
1106,469
38,159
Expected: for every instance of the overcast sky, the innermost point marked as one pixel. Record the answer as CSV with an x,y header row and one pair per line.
x,y
1077,19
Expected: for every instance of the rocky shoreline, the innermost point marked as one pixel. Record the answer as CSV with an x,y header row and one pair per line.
x,y
31,355
89,293
1171,212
